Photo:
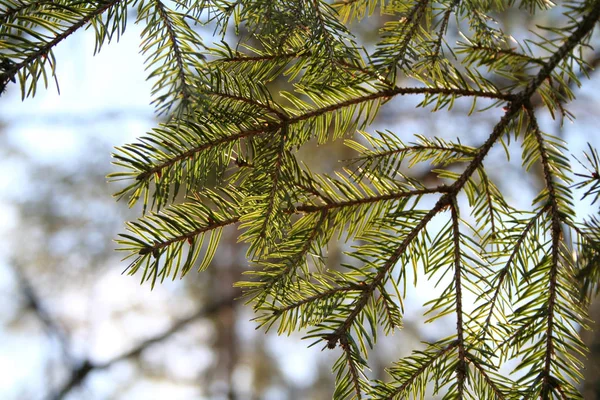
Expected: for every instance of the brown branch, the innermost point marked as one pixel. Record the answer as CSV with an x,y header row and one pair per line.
x,y
157,245
345,326
309,208
4,18
380,154
389,93
343,3
461,368
537,101
87,366
190,153
585,26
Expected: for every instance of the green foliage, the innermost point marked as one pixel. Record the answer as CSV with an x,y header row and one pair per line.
x,y
227,155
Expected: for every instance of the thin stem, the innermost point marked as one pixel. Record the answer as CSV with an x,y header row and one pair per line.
x,y
319,296
309,208
280,115
461,369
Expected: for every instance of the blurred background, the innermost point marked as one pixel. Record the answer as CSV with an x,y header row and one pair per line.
x,y
73,327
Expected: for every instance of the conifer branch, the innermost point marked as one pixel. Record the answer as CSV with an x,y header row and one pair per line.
x,y
549,383
504,272
192,152
320,296
418,148
186,91
522,99
408,28
369,72
275,182
272,127
387,94
23,6
158,245
498,392
345,2
444,26
584,28
279,114
421,369
516,262
351,362
326,36
44,49
310,189
344,327
293,262
508,52
172,57
260,58
490,204
392,314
